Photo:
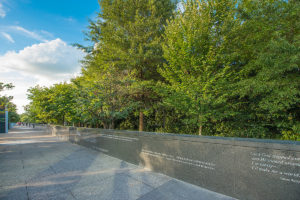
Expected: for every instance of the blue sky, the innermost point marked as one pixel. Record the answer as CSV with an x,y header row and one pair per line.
x,y
36,38
64,19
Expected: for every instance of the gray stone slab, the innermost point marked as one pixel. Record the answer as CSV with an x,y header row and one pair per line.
x,y
13,193
40,175
104,162
51,186
177,190
65,165
61,170
14,165
12,178
118,187
149,178
10,161
62,196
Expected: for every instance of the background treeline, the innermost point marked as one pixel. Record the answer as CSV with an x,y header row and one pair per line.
x,y
6,102
217,67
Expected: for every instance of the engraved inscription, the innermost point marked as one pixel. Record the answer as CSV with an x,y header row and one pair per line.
x,y
116,137
179,159
283,167
99,149
91,140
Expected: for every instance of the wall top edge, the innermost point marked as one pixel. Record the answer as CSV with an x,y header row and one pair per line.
x,y
211,139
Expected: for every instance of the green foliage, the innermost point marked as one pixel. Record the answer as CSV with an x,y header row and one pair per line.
x,y
24,117
127,37
219,67
235,64
52,105
195,48
5,101
102,98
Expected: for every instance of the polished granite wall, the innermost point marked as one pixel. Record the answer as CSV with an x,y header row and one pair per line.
x,y
241,168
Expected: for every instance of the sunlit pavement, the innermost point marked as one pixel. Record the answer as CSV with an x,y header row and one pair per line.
x,y
35,165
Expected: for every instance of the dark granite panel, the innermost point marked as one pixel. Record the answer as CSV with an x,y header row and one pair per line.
x,y
198,163
237,167
117,145
267,174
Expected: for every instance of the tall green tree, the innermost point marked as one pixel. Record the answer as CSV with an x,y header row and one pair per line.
x,y
226,63
103,97
55,104
128,36
195,44
219,67
271,81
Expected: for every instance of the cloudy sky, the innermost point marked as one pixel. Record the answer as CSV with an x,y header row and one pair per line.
x,y
36,38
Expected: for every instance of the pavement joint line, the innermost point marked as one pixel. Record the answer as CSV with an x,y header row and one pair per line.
x,y
23,165
53,169
141,197
25,180
141,181
26,190
72,194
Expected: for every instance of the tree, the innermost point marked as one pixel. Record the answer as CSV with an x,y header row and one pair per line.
x,y
226,63
195,43
219,67
55,104
5,101
266,93
103,98
127,37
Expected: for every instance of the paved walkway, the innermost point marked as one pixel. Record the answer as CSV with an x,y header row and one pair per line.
x,y
34,165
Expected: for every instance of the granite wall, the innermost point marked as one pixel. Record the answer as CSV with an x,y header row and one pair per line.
x,y
241,168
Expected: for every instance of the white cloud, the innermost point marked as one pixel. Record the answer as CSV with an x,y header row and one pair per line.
x,y
46,33
22,83
48,59
28,33
36,35
44,64
69,19
8,37
2,11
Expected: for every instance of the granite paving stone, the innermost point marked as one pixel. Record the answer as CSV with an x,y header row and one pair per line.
x,y
35,165
117,187
13,193
178,190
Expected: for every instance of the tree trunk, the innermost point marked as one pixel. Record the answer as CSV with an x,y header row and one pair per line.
x,y
141,121
200,129
112,124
